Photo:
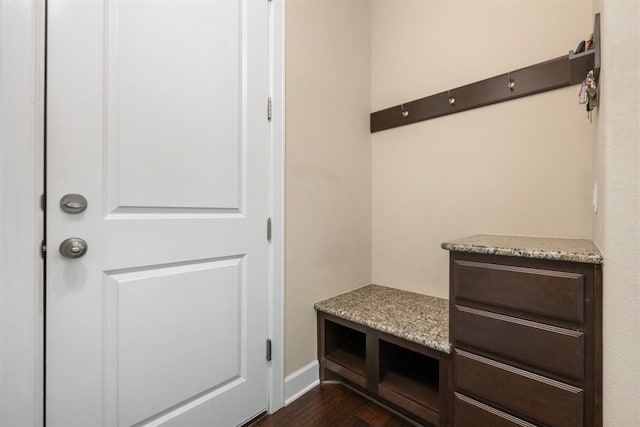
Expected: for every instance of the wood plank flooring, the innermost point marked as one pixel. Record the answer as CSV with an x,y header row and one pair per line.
x,y
332,405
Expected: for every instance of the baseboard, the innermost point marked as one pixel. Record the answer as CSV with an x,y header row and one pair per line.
x,y
301,381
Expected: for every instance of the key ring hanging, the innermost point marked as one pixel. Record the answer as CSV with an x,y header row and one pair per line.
x,y
589,93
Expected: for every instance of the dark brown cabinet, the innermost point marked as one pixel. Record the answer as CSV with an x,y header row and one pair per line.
x,y
527,339
411,378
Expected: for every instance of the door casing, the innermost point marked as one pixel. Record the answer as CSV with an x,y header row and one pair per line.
x,y
21,183
22,153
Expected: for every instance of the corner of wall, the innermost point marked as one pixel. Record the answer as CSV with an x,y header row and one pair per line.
x,y
617,225
328,162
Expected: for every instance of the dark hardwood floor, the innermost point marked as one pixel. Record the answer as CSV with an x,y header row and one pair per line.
x,y
332,405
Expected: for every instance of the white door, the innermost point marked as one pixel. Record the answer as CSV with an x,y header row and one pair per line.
x,y
156,113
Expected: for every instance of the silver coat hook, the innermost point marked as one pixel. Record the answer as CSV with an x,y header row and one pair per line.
x,y
405,113
452,100
512,83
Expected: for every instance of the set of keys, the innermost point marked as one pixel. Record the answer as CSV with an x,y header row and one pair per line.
x,y
588,94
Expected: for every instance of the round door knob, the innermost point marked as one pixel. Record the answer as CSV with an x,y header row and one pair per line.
x,y
73,247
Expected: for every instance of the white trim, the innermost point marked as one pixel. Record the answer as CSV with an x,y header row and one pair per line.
x,y
21,219
301,381
276,280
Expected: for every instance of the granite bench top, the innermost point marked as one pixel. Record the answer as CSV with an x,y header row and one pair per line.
x,y
576,250
419,318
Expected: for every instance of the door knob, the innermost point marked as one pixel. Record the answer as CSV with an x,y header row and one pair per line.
x,y
73,247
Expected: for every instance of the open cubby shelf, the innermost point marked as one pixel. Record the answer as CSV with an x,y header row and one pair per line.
x,y
404,375
346,347
351,356
409,374
345,352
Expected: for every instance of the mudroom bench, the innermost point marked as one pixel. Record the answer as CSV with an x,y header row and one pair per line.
x,y
392,345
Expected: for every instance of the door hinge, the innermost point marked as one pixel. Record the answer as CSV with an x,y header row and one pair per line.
x,y
269,108
43,203
268,350
269,230
43,249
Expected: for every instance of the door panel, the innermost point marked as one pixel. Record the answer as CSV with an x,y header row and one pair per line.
x,y
177,132
156,114
166,335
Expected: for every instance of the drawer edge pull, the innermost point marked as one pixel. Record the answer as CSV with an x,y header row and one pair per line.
x,y
516,269
520,372
523,322
493,410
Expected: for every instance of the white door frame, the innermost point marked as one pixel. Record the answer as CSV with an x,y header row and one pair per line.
x,y
21,219
22,54
276,276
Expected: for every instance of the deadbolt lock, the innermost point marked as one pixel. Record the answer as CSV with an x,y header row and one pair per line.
x,y
73,203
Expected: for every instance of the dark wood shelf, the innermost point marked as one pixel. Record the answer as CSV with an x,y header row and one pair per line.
x,y
410,380
345,352
410,374
393,391
407,385
351,356
409,377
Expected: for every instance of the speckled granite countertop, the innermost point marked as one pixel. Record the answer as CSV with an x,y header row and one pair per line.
x,y
576,250
422,319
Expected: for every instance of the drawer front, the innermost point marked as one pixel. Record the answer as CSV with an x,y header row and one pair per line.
x,y
543,292
532,396
535,344
471,413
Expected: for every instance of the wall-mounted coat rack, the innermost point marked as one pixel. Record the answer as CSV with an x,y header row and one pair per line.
x,y
549,75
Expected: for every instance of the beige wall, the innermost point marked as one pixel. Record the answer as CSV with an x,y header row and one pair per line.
x,y
328,162
617,223
520,167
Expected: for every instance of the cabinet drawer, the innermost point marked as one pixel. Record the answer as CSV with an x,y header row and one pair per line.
x,y
535,344
543,292
471,413
535,397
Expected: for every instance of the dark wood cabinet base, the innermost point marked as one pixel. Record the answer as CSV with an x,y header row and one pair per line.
x,y
408,377
527,335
